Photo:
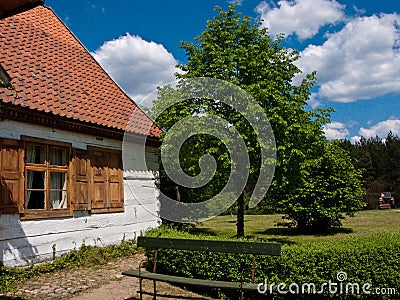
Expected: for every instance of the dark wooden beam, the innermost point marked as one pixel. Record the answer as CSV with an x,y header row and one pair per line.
x,y
27,115
210,245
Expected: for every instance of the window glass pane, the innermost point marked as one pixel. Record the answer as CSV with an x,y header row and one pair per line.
x,y
35,199
35,154
58,193
58,199
58,156
35,180
57,181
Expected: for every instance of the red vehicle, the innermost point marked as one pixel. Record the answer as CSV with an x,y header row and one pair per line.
x,y
386,200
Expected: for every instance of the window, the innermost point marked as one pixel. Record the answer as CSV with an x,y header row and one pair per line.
x,y
46,178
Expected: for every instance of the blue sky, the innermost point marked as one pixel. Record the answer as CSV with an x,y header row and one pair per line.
x,y
354,45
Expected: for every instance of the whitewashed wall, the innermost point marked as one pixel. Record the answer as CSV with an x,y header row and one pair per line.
x,y
32,241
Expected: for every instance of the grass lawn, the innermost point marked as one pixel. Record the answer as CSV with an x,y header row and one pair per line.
x,y
364,223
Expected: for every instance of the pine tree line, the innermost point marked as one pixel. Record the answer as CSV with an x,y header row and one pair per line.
x,y
379,160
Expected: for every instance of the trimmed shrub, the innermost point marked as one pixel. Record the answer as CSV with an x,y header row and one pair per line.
x,y
374,260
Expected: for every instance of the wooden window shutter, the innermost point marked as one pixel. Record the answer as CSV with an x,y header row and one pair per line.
x,y
81,180
100,179
108,183
11,176
116,180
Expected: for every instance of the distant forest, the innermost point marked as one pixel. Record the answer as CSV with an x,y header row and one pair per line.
x,y
379,160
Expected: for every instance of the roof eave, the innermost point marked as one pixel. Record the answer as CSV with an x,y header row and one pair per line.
x,y
12,7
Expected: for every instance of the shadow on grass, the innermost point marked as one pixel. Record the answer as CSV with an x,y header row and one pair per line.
x,y
235,221
202,231
282,235
295,232
276,234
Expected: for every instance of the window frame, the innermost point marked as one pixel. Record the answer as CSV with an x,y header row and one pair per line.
x,y
47,168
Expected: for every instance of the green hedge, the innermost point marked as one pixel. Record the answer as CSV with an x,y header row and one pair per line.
x,y
374,260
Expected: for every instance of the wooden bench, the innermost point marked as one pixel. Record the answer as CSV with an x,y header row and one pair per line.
x,y
254,248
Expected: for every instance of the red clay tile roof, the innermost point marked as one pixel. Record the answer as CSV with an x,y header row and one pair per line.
x,y
52,72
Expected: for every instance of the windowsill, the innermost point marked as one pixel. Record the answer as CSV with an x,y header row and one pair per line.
x,y
45,214
107,210
64,213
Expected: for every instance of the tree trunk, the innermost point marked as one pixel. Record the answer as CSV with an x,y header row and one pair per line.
x,y
178,194
240,217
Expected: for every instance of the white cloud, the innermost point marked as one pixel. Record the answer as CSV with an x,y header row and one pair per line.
x,y
239,2
301,17
138,66
359,11
361,61
382,129
336,130
355,139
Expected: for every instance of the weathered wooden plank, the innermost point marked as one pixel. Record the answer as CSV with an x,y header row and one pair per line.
x,y
211,245
191,281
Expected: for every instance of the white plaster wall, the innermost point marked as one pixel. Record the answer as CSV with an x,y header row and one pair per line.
x,y
32,241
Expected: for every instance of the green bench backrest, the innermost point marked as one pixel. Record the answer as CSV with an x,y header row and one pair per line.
x,y
210,245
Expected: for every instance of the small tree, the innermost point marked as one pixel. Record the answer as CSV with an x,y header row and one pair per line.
x,y
329,188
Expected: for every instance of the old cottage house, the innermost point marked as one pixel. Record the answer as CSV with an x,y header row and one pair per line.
x,y
62,123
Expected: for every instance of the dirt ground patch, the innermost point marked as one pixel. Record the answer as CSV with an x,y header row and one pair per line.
x,y
96,282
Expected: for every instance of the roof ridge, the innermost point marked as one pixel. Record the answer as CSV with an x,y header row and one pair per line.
x,y
95,61
137,106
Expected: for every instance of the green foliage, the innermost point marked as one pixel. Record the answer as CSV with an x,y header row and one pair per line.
x,y
314,184
374,259
84,256
328,187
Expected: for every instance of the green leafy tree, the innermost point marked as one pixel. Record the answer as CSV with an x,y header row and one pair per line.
x,y
236,49
199,145
329,188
